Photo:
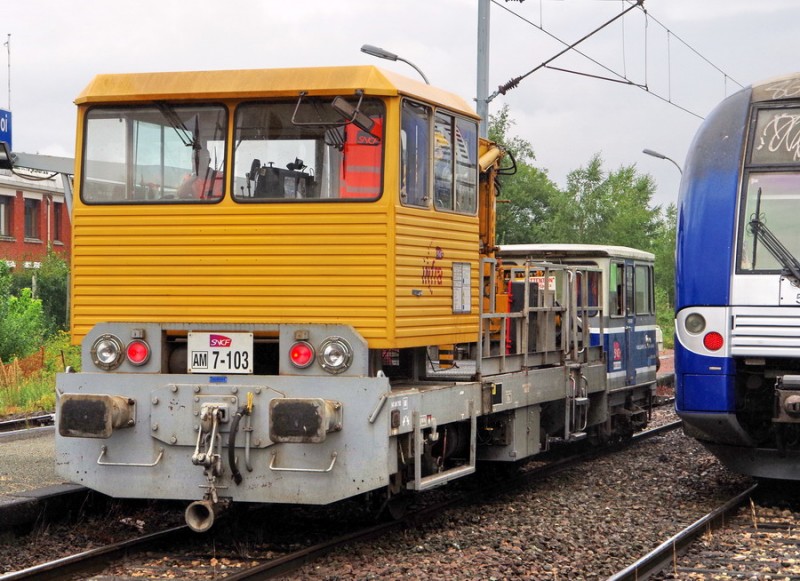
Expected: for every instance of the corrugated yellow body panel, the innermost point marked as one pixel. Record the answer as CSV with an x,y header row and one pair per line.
x,y
232,263
427,245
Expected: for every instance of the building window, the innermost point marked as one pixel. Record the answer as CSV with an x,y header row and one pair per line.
x,y
58,227
32,213
6,207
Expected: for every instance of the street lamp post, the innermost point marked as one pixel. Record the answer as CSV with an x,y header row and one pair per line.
x,y
652,153
390,56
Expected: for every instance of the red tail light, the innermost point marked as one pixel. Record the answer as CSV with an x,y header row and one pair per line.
x,y
138,352
713,341
301,354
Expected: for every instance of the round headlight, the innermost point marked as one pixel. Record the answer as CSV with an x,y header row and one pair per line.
x,y
107,352
335,355
695,323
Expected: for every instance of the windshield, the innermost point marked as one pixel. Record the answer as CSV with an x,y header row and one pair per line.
x,y
772,199
154,154
297,151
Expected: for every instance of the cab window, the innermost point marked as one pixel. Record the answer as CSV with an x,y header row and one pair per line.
x,y
154,154
415,134
643,289
616,289
455,165
300,151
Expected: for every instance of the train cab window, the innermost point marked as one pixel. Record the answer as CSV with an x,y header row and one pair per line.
x,y
643,295
455,154
415,157
616,289
771,197
591,280
148,154
304,151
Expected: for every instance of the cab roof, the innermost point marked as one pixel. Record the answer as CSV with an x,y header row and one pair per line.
x,y
263,83
565,251
783,87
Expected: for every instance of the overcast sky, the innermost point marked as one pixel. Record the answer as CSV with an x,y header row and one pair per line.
x,y
57,47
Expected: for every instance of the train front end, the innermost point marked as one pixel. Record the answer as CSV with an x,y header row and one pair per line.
x,y
738,283
256,254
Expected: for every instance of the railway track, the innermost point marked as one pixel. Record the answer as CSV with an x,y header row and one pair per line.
x,y
132,560
745,538
27,423
660,558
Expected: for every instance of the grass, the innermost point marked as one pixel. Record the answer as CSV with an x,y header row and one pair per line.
x,y
37,392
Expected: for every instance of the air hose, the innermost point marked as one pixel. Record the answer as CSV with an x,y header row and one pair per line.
x,y
245,410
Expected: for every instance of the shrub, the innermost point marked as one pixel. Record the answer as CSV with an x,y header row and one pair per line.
x,y
21,325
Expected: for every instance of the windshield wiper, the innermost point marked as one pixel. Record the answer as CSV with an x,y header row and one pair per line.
x,y
774,246
188,138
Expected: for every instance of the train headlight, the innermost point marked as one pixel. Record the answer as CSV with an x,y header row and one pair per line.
x,y
336,355
138,352
301,354
695,323
107,352
713,341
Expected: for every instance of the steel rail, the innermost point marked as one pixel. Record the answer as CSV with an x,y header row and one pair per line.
x,y
21,424
662,556
95,559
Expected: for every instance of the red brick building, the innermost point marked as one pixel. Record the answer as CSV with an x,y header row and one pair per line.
x,y
33,217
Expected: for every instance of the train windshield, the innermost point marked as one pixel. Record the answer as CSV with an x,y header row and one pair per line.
x,y
769,239
306,149
771,205
303,150
155,153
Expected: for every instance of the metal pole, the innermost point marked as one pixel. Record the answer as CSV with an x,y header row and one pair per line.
x,y
8,48
482,93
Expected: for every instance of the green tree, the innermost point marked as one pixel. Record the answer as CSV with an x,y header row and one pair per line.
x,y
51,283
528,196
612,208
664,249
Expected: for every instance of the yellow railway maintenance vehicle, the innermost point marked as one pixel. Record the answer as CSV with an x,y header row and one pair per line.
x,y
265,264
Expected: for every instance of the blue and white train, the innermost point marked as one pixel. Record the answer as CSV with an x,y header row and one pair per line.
x,y
737,342
625,325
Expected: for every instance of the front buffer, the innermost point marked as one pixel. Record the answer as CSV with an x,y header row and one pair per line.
x,y
171,437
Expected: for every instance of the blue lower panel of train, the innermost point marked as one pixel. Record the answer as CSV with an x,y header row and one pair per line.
x,y
704,384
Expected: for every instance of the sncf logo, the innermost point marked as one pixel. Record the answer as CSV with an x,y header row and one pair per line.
x,y
219,341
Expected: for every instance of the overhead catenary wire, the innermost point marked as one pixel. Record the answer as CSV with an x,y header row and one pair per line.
x,y
687,45
502,89
621,77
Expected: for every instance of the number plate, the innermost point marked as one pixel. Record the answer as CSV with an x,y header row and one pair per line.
x,y
220,352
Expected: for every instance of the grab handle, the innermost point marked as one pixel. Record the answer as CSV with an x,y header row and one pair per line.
x,y
103,451
274,459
